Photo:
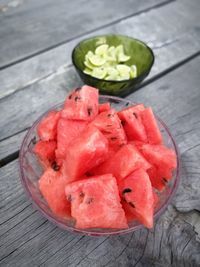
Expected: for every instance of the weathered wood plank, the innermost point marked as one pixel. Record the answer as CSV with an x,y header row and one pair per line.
x,y
28,239
26,104
9,146
34,26
170,30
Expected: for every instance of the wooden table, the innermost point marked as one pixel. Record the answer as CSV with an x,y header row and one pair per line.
x,y
36,40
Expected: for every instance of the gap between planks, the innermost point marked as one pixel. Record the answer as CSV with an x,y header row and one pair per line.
x,y
15,155
85,33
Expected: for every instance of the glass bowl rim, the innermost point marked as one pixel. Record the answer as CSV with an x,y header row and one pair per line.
x,y
145,73
52,218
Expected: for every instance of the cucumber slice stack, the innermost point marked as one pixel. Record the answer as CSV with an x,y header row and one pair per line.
x,y
109,63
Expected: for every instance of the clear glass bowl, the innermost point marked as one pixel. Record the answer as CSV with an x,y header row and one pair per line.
x,y
31,170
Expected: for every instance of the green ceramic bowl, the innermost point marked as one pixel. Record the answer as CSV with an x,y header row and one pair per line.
x,y
141,55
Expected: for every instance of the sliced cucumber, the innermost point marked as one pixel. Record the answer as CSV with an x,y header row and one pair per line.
x,y
101,50
111,78
99,73
119,49
88,64
88,71
123,69
133,71
107,63
112,71
97,60
123,58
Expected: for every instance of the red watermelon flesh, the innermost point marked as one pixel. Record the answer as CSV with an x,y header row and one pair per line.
x,y
130,216
104,107
52,186
132,123
47,129
95,203
126,160
81,104
45,150
156,199
137,191
102,169
110,125
128,211
159,177
137,144
87,151
150,124
160,156
67,131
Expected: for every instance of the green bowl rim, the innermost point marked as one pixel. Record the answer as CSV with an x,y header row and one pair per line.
x,y
111,81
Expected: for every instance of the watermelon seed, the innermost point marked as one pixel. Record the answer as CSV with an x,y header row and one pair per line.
x,y
69,198
77,89
89,110
89,200
81,194
34,141
110,115
123,123
109,125
121,145
88,174
70,96
126,190
55,166
131,204
164,180
136,116
77,98
113,138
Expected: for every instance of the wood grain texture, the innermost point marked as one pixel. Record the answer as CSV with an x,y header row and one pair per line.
x,y
45,24
9,146
171,30
27,239
23,106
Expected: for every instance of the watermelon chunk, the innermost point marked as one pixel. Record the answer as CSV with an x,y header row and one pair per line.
x,y
132,123
104,107
137,191
137,144
130,216
160,156
45,150
52,186
150,124
126,160
110,125
81,104
67,131
95,203
159,177
47,129
128,211
87,151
